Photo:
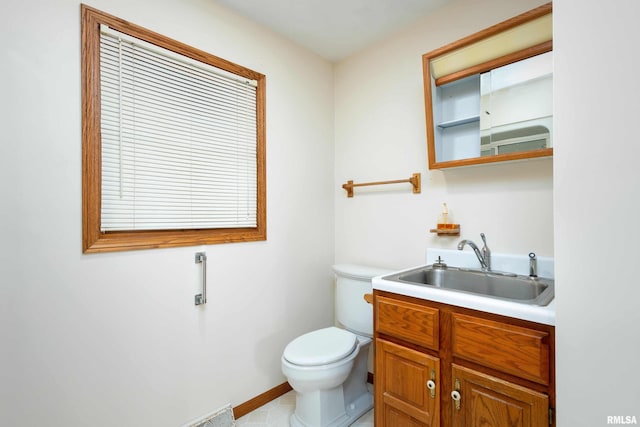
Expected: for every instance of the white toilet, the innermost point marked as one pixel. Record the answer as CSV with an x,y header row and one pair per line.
x,y
327,368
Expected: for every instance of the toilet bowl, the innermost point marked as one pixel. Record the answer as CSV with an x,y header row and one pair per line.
x,y
327,368
330,386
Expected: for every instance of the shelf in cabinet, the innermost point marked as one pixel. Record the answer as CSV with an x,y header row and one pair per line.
x,y
458,122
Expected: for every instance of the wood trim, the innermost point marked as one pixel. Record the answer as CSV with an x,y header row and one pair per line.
x,y
473,38
94,240
522,155
97,17
269,395
493,30
91,158
261,399
497,62
428,108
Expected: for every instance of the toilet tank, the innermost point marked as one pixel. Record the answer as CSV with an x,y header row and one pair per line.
x,y
352,311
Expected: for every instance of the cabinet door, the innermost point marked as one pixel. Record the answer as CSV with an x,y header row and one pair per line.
x,y
407,387
491,402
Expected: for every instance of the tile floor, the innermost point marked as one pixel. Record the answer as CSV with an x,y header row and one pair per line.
x,y
277,412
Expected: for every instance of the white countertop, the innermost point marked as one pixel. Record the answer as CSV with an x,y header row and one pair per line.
x,y
534,313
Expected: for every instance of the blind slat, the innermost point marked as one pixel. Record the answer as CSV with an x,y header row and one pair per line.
x,y
178,142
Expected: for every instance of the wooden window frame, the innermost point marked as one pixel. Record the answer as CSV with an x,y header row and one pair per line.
x,y
95,240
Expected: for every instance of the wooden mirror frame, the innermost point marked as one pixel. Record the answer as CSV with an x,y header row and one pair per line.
x,y
480,68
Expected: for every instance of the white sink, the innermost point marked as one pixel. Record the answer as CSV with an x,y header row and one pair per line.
x,y
518,264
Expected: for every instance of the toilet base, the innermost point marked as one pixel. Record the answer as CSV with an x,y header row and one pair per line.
x,y
351,413
340,406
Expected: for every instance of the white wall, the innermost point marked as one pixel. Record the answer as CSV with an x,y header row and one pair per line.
x,y
115,339
585,216
380,135
597,186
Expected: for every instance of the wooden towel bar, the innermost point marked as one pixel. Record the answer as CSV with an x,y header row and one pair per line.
x,y
414,180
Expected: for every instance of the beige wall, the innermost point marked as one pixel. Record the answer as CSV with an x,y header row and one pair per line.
x,y
380,135
115,339
580,208
596,198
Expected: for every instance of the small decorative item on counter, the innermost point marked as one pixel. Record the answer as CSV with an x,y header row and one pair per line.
x,y
444,217
445,227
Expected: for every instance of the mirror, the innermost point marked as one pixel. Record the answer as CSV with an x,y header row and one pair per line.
x,y
488,97
516,107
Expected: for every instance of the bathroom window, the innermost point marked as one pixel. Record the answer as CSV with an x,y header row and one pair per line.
x,y
173,142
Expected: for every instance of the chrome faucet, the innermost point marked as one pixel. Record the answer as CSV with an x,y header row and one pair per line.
x,y
484,255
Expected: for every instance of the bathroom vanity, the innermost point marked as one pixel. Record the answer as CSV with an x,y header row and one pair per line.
x,y
460,360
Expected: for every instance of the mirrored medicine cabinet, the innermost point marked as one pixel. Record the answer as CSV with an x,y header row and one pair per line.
x,y
488,96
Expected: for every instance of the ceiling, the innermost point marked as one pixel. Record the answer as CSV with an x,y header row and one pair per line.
x,y
334,29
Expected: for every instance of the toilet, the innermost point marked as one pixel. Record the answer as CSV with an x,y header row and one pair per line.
x,y
327,368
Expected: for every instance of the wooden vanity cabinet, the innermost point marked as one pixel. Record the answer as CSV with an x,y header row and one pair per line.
x,y
441,365
408,376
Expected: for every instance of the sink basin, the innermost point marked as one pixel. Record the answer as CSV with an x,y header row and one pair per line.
x,y
505,286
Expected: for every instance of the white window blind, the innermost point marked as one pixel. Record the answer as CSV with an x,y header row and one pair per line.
x,y
178,140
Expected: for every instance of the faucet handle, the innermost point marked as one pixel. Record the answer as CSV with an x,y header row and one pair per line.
x,y
533,265
486,252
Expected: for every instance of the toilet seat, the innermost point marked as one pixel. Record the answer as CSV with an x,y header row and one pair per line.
x,y
320,347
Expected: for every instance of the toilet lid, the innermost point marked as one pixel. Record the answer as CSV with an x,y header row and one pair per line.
x,y
320,347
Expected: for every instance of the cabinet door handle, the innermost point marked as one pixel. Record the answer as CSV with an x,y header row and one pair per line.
x,y
455,394
431,385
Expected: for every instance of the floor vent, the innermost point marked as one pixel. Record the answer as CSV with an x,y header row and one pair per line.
x,y
220,418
